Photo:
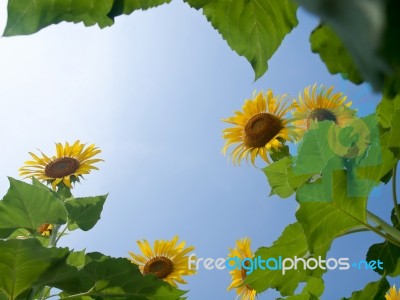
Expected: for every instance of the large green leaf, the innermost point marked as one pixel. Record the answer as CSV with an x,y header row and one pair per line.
x,y
373,290
368,169
388,254
389,118
22,262
30,16
84,212
328,148
325,221
386,110
110,278
336,57
362,36
28,206
252,28
292,243
281,178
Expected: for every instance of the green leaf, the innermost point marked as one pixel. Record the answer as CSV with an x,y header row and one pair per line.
x,y
110,278
315,286
387,253
373,290
315,152
84,212
327,148
279,154
318,157
281,178
291,243
254,29
27,16
333,53
302,296
126,7
386,110
77,259
28,206
312,290
389,118
369,167
362,36
24,261
325,221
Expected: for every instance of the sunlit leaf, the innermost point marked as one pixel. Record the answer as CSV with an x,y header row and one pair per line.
x,y
281,178
84,212
325,221
27,16
28,206
22,262
291,243
110,278
254,29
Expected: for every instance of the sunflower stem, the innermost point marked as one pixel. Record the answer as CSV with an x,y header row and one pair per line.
x,y
395,202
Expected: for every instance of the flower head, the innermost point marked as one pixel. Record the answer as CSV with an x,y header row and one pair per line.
x,y
321,105
167,260
241,251
45,229
260,127
393,294
69,163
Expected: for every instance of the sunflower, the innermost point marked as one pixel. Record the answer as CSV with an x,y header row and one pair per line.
x,y
70,163
241,251
393,294
45,229
166,260
321,105
259,128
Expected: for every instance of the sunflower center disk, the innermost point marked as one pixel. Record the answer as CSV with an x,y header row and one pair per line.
x,y
321,114
261,129
61,167
159,266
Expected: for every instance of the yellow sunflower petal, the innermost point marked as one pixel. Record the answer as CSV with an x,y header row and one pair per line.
x,y
255,129
70,162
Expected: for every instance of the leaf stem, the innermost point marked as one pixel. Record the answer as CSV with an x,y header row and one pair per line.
x,y
395,202
81,294
361,228
393,235
54,234
61,233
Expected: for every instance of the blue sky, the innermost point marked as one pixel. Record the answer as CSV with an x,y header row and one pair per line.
x,y
151,92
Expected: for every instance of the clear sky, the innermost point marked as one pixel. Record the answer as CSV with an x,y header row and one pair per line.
x,y
151,92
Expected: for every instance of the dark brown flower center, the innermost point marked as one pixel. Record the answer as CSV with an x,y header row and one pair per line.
x,y
61,167
159,266
320,114
261,129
